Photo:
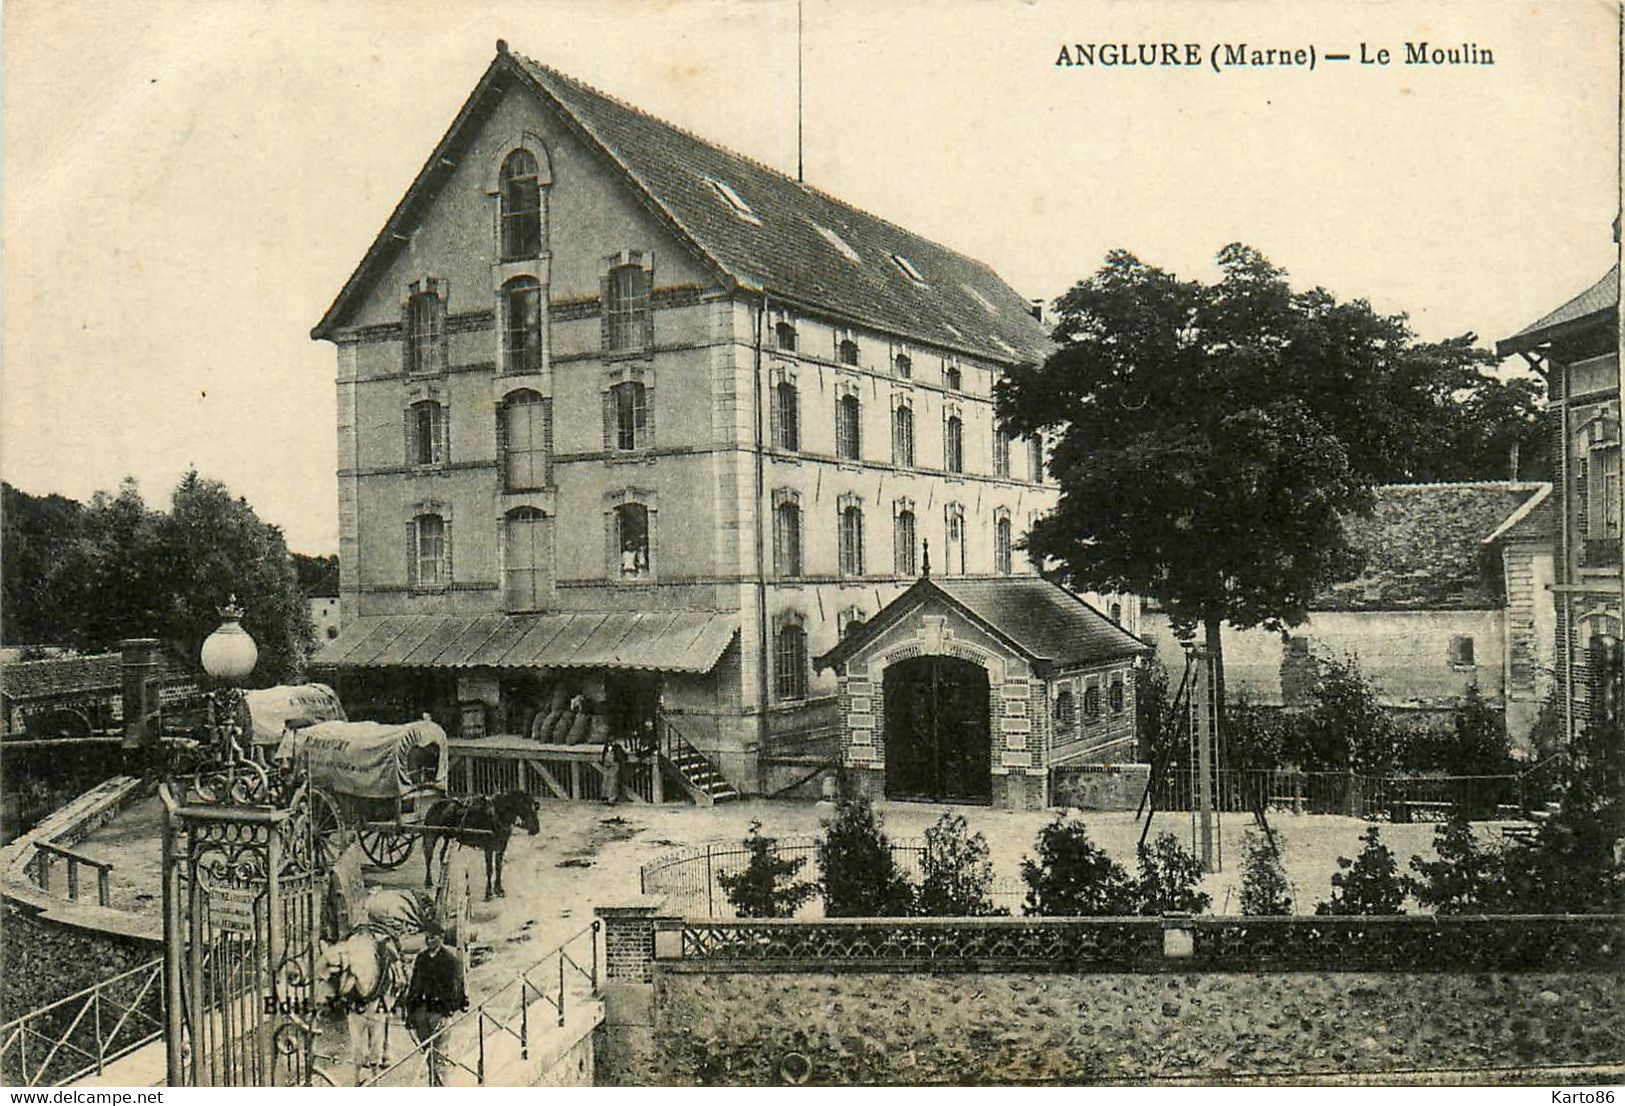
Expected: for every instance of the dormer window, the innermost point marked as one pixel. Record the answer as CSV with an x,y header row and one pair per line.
x,y
951,378
735,202
847,352
906,267
784,337
839,243
904,365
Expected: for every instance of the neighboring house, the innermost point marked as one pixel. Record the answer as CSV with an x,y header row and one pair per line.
x,y
1575,349
78,696
1455,593
625,414
324,617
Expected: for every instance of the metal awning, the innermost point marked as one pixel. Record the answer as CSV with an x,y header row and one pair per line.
x,y
655,641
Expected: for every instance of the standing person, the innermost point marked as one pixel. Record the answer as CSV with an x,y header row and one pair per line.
x,y
433,996
616,756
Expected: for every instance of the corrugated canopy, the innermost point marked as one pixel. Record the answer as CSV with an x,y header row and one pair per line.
x,y
655,641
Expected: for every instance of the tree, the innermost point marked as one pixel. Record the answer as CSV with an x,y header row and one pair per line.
x,y
1345,728
766,887
1072,876
37,536
1368,884
1264,886
1210,437
1169,875
1463,878
318,576
956,876
855,866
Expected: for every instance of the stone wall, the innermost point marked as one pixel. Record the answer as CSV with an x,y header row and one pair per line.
x,y
45,961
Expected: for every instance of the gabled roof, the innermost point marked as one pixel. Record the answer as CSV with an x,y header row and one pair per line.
x,y
787,243
73,675
1595,304
1429,546
1048,625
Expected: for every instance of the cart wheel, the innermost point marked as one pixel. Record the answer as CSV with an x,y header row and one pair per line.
x,y
326,829
386,849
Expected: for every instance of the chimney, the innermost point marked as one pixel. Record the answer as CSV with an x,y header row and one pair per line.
x,y
1036,308
138,671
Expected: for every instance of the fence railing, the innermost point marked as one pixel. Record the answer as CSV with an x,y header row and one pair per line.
x,y
1398,797
484,1043
84,1032
542,771
47,852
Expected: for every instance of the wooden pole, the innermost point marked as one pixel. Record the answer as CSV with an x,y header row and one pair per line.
x,y
1202,692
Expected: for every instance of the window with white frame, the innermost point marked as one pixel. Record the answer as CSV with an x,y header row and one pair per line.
x,y
525,440
903,540
428,548
522,325
850,522
426,434
628,318
787,535
629,412
902,435
521,207
526,557
848,427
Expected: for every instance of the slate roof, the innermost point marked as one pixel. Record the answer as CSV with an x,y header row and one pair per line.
x,y
58,676
1049,625
961,305
1602,296
1432,546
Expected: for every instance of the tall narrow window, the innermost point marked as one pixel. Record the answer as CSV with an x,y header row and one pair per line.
x,y
1066,714
951,378
631,415
902,436
1001,452
525,441
851,541
632,539
1035,459
787,416
1114,695
522,325
1602,479
787,539
953,445
626,308
1091,702
903,562
847,352
525,556
954,540
425,332
790,663
904,365
428,553
425,433
848,443
521,207
1001,545
784,336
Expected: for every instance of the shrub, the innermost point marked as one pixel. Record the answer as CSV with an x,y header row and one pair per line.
x,y
764,889
1464,879
1264,887
956,874
1368,884
1168,878
1345,727
1073,876
1253,735
855,865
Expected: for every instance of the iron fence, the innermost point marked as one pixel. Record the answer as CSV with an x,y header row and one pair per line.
x,y
84,1032
1414,797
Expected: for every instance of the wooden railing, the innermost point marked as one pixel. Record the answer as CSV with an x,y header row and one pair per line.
x,y
83,1033
46,852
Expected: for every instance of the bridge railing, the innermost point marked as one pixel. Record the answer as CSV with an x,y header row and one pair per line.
x,y
84,1032
481,1044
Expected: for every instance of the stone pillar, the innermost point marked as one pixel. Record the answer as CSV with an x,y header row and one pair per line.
x,y
624,1053
138,669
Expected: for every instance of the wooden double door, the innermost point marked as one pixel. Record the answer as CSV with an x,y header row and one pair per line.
x,y
938,732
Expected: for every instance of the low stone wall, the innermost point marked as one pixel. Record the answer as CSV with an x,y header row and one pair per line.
x,y
44,960
1098,786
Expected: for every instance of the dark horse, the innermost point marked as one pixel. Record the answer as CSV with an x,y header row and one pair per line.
x,y
483,820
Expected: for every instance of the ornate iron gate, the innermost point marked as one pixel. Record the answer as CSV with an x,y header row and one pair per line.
x,y
243,888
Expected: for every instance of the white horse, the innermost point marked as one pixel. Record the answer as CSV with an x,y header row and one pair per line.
x,y
363,976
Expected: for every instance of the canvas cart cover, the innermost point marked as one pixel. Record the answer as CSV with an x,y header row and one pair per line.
x,y
373,760
271,707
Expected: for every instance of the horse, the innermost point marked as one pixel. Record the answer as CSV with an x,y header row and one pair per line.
x,y
363,975
486,821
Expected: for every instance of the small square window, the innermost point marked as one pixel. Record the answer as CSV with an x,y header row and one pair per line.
x,y
1461,651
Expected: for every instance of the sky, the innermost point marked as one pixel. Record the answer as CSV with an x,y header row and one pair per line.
x,y
187,185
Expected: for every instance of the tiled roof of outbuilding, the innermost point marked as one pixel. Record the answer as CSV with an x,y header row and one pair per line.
x,y
1601,296
47,679
788,244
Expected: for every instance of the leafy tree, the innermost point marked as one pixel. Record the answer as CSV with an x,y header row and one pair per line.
x,y
1155,722
1254,735
859,876
1169,876
1210,437
1472,743
1264,886
37,537
765,888
956,874
318,576
1072,876
1345,727
1464,879
1368,884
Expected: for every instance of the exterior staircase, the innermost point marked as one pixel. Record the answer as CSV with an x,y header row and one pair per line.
x,y
692,769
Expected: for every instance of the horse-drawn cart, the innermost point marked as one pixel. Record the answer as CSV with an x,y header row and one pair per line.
x,y
375,779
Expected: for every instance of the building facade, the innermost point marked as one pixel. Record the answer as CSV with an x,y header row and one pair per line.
x,y
1576,349
626,415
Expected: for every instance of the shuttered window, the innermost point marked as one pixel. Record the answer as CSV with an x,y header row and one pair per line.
x,y
526,552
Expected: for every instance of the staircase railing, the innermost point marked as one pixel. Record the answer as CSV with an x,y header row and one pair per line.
x,y
676,749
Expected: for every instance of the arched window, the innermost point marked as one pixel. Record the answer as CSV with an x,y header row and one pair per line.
x,y
1035,459
1001,452
853,623
525,425
1065,714
632,539
790,663
953,445
1115,695
631,415
784,336
847,352
1117,613
904,365
787,416
902,436
954,543
425,433
1001,545
787,539
1091,703
627,319
851,541
427,563
951,378
521,207
425,332
848,432
526,553
522,325
903,543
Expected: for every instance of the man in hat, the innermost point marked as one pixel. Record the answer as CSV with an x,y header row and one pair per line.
x,y
433,996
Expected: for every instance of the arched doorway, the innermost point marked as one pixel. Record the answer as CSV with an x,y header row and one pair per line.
x,y
938,744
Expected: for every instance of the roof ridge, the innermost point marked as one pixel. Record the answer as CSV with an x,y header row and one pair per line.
x,y
1465,485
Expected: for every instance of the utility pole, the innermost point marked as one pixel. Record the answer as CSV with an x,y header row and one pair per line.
x,y
1202,736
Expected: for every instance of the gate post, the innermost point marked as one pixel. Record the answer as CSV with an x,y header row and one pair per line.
x,y
174,1026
